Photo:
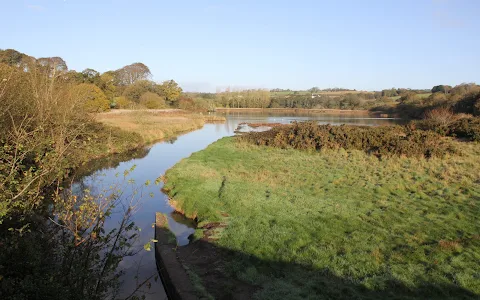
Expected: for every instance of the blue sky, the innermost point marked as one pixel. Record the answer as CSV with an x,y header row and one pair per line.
x,y
204,44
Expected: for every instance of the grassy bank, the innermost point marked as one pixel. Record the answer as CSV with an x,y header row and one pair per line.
x,y
154,125
334,223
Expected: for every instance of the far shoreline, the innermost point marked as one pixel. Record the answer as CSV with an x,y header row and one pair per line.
x,y
306,110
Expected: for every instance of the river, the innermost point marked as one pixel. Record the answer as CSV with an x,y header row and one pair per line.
x,y
154,160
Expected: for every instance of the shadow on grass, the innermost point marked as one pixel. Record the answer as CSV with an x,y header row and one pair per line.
x,y
227,274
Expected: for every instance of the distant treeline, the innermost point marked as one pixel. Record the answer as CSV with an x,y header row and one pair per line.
x,y
127,87
410,103
461,99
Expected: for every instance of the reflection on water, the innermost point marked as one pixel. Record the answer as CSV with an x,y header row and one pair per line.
x,y
153,161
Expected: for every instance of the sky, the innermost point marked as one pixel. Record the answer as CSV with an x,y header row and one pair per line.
x,y
296,44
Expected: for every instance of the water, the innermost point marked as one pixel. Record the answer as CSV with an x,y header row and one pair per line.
x,y
153,161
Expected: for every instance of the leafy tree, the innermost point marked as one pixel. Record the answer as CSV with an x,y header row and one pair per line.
x,y
132,73
12,57
54,64
441,89
464,88
106,83
171,90
92,97
314,90
389,93
91,76
135,91
152,101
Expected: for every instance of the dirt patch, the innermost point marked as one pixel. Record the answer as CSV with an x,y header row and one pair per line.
x,y
197,270
208,261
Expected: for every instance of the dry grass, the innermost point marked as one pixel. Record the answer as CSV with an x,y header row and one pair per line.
x,y
214,119
154,125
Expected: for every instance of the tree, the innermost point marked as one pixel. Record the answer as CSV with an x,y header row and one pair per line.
x,y
12,57
134,91
441,89
170,90
132,73
107,84
92,97
91,76
152,101
464,88
314,89
389,93
55,64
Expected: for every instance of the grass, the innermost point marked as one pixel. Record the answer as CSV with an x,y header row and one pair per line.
x,y
157,125
419,96
423,96
390,228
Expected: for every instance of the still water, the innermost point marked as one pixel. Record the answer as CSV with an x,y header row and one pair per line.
x,y
154,160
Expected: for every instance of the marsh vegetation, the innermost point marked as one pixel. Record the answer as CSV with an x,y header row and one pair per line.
x,y
307,210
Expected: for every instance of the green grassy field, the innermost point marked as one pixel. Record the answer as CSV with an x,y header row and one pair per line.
x,y
422,96
338,224
419,96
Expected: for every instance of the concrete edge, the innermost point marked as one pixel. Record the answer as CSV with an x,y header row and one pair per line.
x,y
175,279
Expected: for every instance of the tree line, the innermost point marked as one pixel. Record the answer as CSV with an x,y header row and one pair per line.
x,y
127,87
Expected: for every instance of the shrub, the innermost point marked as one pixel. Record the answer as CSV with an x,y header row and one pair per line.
x,y
380,141
186,103
466,128
122,102
92,97
152,101
469,104
439,117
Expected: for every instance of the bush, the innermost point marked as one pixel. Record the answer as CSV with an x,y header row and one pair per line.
x,y
470,104
440,116
380,141
92,97
466,128
196,104
152,101
122,102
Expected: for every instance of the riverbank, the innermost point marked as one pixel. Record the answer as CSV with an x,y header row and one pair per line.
x,y
343,224
155,125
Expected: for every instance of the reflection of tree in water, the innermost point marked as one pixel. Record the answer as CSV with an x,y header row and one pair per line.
x,y
171,140
110,162
69,253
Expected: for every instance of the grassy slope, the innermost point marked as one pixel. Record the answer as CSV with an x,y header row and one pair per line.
x,y
154,126
409,221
